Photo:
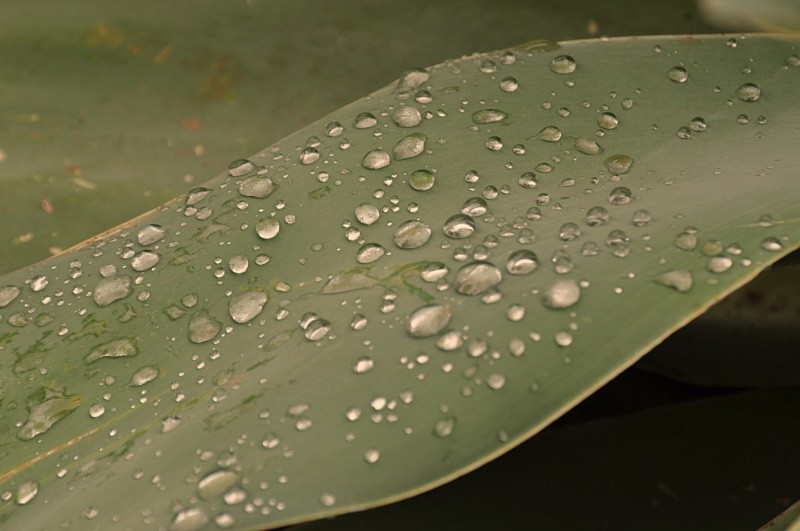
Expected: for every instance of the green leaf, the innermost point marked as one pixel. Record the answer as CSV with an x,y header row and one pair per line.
x,y
256,356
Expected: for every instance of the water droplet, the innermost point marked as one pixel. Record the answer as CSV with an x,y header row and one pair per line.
x,y
563,64
569,232
26,492
118,348
509,84
771,244
421,180
144,260
474,207
203,327
495,143
522,262
411,80
372,456
678,279
333,129
327,499
144,375
270,441
516,312
596,216
607,120
428,320
563,338
587,146
698,124
238,264
719,264
683,133
444,427
748,92
678,74
256,186
488,116
686,241
369,252
191,519
268,228
150,234
477,277
641,218
409,146
620,195
112,289
618,164
376,159
434,272
363,364
8,294
96,410
407,116
412,234
240,167
549,134
496,381
216,483
563,293
367,214
459,226
195,195
365,120
46,407
169,423
246,306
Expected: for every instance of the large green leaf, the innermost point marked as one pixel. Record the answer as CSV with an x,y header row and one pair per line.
x,y
264,351
109,109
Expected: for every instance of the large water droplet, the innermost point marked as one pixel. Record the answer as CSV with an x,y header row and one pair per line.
x,y
112,289
587,146
246,306
620,195
678,279
191,519
119,348
144,375
365,120
563,293
563,64
428,320
216,483
474,207
719,264
476,277
434,272
771,244
569,232
410,146
421,180
369,252
367,214
144,260
45,408
150,234
240,167
618,164
203,327
8,294
607,120
406,116
678,74
412,234
522,262
195,195
549,134
459,226
258,187
376,159
488,116
26,492
596,216
748,92
268,228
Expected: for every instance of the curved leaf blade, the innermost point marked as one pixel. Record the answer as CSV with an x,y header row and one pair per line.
x,y
212,357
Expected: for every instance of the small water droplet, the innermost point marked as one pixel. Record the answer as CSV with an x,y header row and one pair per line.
x,y
620,195
327,499
686,241
618,164
563,64
96,410
406,116
365,120
444,427
150,234
376,159
474,207
144,375
719,264
596,216
748,92
144,260
549,134
203,327
257,186
522,262
607,120
195,195
434,272
641,218
428,320
771,244
363,364
409,146
678,74
367,214
678,279
563,338
421,180
494,143
587,146
509,84
191,519
496,381
563,293
240,167
170,423
215,484
26,492
112,289
369,253
569,232
372,455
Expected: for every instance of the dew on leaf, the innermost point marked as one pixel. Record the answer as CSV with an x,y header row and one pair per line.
x,y
96,410
496,381
587,146
118,348
444,427
144,260
421,180
333,129
8,294
719,264
509,84
698,124
412,234
428,320
150,234
458,226
369,253
144,375
549,134
216,483
563,293
476,277
678,279
434,272
748,92
607,120
569,231
246,306
563,64
771,244
406,116
376,159
563,338
268,228
474,207
488,116
494,143
678,74
256,186
596,216
367,214
46,407
191,519
522,262
686,241
26,492
203,327
618,164
620,195
327,499
39,282
238,264
169,423
365,120
409,146
240,168
641,218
